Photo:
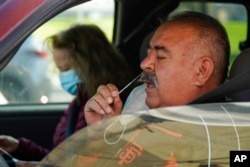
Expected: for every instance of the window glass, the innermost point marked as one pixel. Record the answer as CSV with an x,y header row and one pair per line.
x,y
232,16
31,76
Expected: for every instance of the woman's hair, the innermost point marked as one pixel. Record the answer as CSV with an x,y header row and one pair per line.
x,y
93,57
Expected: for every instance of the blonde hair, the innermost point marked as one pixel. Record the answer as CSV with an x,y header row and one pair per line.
x,y
93,57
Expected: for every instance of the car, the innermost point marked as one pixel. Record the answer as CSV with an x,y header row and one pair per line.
x,y
185,136
31,60
127,25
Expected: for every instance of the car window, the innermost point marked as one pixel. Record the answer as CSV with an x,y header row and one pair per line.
x,y
31,76
232,16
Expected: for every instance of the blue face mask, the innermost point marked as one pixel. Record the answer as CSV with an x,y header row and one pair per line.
x,y
69,80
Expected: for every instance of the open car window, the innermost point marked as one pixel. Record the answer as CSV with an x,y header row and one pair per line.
x,y
31,76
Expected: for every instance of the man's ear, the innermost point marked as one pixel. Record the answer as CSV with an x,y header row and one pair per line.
x,y
203,69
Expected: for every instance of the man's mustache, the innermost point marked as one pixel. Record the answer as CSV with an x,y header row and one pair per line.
x,y
149,77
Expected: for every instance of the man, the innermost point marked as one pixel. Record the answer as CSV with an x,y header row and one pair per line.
x,y
188,56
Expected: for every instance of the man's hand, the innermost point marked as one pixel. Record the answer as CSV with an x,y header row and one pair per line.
x,y
8,143
105,103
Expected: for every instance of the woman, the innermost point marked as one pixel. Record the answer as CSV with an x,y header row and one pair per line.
x,y
86,59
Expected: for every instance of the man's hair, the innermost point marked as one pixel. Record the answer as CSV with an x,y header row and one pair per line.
x,y
210,33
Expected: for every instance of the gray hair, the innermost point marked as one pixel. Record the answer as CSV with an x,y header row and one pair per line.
x,y
210,33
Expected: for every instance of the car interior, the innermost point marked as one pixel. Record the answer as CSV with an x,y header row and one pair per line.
x,y
240,66
133,24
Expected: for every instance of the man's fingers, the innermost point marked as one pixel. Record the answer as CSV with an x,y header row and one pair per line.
x,y
99,103
113,90
105,103
105,93
93,106
103,98
108,92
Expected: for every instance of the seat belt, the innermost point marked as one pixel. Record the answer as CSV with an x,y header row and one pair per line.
x,y
73,116
234,85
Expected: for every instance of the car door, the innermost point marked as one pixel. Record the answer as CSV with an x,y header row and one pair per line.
x,y
127,25
31,98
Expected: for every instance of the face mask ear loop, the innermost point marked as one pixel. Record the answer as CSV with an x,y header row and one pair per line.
x,y
122,133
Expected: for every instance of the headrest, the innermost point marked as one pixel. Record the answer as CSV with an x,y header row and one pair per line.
x,y
241,65
237,87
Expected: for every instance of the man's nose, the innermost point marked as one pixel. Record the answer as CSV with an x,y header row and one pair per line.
x,y
147,63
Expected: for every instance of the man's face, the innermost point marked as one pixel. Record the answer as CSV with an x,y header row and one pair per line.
x,y
170,58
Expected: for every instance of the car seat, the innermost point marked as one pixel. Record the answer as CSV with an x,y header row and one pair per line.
x,y
237,87
240,65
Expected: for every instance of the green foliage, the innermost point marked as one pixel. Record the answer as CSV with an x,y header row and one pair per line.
x,y
58,24
237,32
